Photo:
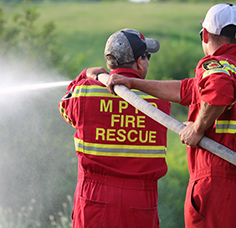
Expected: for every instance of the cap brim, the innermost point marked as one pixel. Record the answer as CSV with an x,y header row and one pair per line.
x,y
152,45
201,22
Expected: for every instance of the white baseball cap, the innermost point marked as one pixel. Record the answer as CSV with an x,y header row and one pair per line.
x,y
221,20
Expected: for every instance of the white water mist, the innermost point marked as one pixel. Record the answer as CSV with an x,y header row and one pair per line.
x,y
37,158
25,88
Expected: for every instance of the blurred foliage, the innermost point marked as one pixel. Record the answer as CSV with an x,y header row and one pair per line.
x,y
26,218
172,187
21,36
175,62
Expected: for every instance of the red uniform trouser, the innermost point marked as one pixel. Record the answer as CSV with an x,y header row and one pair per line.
x,y
108,202
211,203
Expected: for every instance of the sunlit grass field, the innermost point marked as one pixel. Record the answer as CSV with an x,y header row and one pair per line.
x,y
82,30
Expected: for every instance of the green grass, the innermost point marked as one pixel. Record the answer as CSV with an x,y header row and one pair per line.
x,y
85,27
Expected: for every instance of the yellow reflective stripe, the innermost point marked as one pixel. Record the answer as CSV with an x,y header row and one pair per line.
x,y
231,105
214,71
228,66
226,126
99,91
120,150
63,113
91,91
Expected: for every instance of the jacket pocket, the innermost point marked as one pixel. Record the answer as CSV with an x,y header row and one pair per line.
x,y
192,216
89,213
144,217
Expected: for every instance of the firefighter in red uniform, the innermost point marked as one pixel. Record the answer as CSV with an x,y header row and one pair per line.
x,y
210,96
121,151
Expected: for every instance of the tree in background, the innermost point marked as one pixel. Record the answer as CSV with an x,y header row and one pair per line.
x,y
22,36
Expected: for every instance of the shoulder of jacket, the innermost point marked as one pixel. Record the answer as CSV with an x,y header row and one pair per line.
x,y
211,64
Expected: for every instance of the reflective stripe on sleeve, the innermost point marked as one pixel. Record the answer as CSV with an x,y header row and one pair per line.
x,y
226,126
226,70
215,71
63,113
228,66
120,150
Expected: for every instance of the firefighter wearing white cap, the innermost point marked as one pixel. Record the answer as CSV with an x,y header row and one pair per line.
x,y
210,96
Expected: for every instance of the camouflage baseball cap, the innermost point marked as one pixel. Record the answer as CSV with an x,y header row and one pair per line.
x,y
127,45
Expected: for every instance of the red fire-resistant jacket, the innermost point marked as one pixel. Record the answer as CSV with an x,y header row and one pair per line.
x,y
215,84
112,137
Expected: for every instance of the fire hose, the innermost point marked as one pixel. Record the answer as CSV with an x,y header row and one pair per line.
x,y
167,121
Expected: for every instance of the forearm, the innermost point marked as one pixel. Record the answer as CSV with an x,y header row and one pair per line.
x,y
165,90
206,116
194,131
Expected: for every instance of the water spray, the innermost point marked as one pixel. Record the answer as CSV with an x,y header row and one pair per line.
x,y
23,88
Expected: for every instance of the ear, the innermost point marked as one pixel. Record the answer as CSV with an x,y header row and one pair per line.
x,y
140,63
141,66
205,36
